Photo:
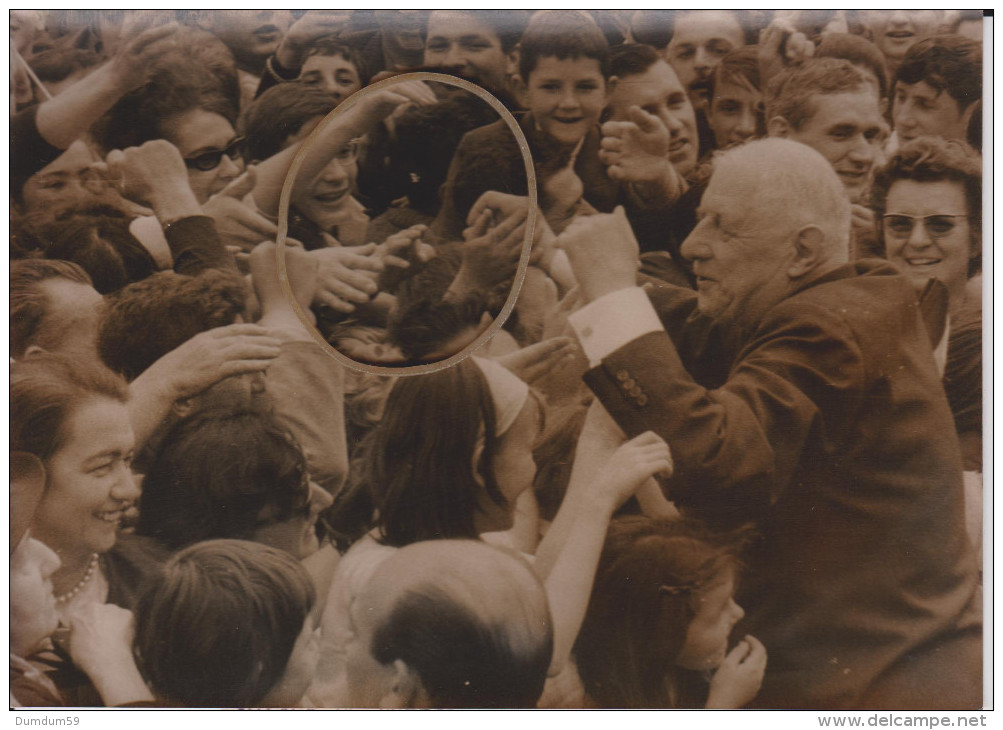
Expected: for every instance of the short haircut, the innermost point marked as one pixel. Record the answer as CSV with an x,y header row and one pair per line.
x,y
562,34
738,65
649,582
332,46
857,50
218,626
279,114
426,326
656,27
475,627
103,245
951,63
222,475
62,60
791,94
632,59
29,305
933,159
148,319
46,389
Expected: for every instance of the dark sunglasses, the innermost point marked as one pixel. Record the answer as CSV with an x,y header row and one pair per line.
x,y
937,226
210,160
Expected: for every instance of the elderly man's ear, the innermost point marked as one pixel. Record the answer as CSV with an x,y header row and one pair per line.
x,y
405,690
810,251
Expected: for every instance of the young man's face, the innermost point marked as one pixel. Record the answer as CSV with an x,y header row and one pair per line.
x,y
700,40
659,91
458,39
736,112
566,96
895,31
252,35
847,129
334,74
920,110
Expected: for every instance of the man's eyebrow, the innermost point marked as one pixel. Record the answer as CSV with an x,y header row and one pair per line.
x,y
843,129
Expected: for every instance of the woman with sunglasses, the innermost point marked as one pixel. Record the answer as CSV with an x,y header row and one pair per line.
x,y
928,206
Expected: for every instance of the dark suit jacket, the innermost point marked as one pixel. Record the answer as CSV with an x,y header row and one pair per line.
x,y
828,427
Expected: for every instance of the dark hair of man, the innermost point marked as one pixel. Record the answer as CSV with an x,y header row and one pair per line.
x,y
221,475
738,66
29,304
562,34
632,59
859,51
951,63
508,25
791,93
462,662
146,320
332,46
63,59
648,589
417,469
934,159
46,389
279,114
218,626
103,246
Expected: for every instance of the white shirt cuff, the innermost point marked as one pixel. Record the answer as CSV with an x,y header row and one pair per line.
x,y
613,320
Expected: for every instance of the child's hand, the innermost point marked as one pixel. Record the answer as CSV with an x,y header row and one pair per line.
x,y
636,150
537,360
346,276
630,466
739,677
491,253
301,273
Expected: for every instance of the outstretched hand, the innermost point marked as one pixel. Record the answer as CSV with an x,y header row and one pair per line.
x,y
603,252
238,225
630,466
780,46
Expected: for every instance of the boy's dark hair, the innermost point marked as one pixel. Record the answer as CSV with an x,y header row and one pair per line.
x,y
632,59
102,245
562,34
218,626
951,63
28,303
146,320
857,50
62,60
933,159
279,114
791,93
333,46
740,64
221,475
426,326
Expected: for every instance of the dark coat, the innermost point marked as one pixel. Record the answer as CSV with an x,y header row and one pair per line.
x,y
828,427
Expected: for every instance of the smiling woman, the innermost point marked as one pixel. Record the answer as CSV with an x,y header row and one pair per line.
x,y
72,416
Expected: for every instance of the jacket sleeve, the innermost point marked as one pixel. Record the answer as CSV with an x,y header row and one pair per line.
x,y
737,447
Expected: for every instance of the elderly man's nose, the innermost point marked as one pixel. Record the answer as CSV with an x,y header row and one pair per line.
x,y
702,60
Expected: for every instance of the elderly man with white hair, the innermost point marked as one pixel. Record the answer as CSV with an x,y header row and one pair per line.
x,y
799,391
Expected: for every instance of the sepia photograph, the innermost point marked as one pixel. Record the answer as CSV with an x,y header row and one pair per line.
x,y
498,359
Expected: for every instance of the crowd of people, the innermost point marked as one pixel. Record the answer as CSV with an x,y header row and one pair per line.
x,y
725,450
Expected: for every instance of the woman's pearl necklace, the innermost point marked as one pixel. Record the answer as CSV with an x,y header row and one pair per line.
x,y
91,569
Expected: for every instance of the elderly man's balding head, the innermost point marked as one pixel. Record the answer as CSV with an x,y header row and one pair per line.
x,y
773,215
450,623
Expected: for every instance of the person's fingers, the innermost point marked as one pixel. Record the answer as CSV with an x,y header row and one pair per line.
x,y
646,122
616,129
339,287
396,261
611,144
515,220
241,186
242,328
231,368
615,173
149,36
353,262
333,301
479,227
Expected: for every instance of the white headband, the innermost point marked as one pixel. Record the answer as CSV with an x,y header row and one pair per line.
x,y
508,392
